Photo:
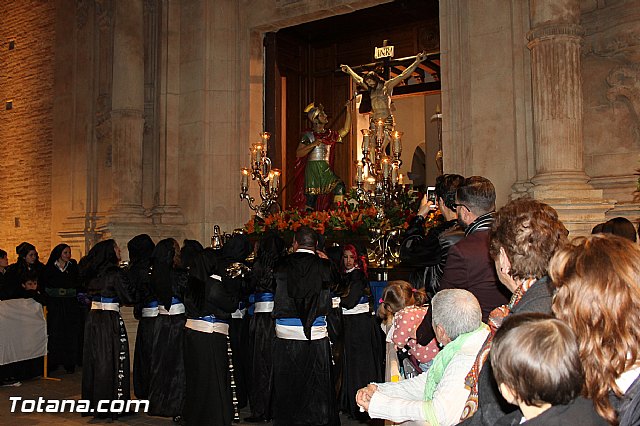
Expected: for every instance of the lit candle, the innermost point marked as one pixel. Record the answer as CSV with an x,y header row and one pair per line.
x,y
371,181
359,170
245,178
253,155
401,179
265,137
258,153
276,179
397,144
365,141
394,174
386,166
270,179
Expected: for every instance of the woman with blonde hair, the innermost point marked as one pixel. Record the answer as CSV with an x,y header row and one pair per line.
x,y
598,296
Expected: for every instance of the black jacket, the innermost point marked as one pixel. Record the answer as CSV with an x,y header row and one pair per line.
x,y
579,412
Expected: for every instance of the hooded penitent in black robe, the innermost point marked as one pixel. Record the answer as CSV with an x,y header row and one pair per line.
x,y
145,311
167,379
232,257
303,392
208,381
105,369
262,331
335,327
64,315
362,344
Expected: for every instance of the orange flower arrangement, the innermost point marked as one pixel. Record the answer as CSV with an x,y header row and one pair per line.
x,y
341,220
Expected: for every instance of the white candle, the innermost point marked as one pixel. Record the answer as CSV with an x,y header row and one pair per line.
x,y
401,179
244,182
394,174
254,152
258,153
385,168
365,141
371,181
359,170
276,179
397,144
265,137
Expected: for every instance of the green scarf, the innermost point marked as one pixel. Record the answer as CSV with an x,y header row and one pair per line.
x,y
440,363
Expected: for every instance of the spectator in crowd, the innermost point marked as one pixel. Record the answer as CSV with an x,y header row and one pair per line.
x,y
12,372
428,253
598,296
27,262
29,289
524,236
469,265
4,262
619,226
437,396
404,308
537,367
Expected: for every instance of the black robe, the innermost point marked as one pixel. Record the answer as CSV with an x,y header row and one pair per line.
x,y
167,381
64,314
208,396
303,392
13,275
106,371
139,273
362,346
262,334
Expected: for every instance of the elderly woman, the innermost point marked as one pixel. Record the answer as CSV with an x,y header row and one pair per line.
x,y
524,237
598,295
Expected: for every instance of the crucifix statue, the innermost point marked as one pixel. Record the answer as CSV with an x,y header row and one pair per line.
x,y
380,90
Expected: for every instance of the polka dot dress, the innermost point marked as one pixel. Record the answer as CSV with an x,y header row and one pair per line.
x,y
405,324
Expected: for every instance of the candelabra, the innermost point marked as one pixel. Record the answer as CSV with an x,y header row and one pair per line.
x,y
384,179
268,178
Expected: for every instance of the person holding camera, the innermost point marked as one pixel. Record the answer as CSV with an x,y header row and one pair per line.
x,y
428,253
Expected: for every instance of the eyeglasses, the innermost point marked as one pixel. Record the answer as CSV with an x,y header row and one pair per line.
x,y
456,205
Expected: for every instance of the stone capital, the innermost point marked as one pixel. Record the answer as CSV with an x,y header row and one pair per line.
x,y
555,31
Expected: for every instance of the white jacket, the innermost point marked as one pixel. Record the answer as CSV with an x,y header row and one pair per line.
x,y
404,401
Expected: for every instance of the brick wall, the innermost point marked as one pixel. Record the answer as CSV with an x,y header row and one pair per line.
x,y
26,77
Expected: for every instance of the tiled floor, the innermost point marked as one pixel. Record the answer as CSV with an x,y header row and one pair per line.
x,y
69,388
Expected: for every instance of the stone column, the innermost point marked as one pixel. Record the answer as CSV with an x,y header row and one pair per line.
x,y
166,209
127,111
555,41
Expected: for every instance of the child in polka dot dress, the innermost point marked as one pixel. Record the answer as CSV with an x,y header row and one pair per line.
x,y
404,307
